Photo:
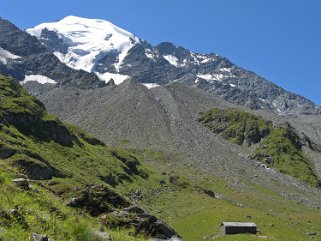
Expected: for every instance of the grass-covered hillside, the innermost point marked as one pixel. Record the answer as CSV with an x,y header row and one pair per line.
x,y
278,147
57,180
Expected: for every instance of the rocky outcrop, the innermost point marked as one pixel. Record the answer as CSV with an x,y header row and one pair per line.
x,y
97,200
117,212
17,41
36,169
6,151
141,221
44,130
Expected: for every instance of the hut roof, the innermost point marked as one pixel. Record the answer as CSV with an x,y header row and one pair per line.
x,y
238,224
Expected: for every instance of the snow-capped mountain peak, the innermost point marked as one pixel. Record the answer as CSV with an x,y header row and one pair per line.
x,y
115,55
81,43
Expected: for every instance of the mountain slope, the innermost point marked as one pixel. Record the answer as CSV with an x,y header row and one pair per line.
x,y
117,54
162,118
62,162
165,118
63,165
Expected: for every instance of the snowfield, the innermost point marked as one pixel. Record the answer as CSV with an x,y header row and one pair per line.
x,y
5,55
87,40
41,79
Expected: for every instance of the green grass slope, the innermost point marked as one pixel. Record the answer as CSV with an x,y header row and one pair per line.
x,y
278,147
40,211
60,160
197,216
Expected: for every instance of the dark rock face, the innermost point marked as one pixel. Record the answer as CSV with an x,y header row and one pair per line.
x,y
52,41
6,152
209,192
37,170
33,125
17,41
237,85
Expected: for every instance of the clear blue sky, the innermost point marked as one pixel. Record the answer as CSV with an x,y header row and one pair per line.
x,y
278,39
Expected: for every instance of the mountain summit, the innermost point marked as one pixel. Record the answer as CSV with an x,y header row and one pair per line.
x,y
83,43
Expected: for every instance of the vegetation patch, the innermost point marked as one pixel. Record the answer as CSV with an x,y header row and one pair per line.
x,y
278,147
282,149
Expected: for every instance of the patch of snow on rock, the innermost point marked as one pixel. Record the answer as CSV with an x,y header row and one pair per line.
x,y
5,55
225,69
205,76
206,60
171,59
150,85
149,54
217,76
196,60
41,79
118,78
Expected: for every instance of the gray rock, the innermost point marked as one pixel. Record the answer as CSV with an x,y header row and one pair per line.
x,y
209,192
311,233
40,237
22,183
105,236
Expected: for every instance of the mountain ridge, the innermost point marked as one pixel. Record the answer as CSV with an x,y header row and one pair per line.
x,y
167,62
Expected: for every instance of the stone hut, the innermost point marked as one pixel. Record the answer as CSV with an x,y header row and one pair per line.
x,y
238,227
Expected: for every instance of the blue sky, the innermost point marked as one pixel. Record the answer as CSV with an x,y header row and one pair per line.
x,y
278,39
